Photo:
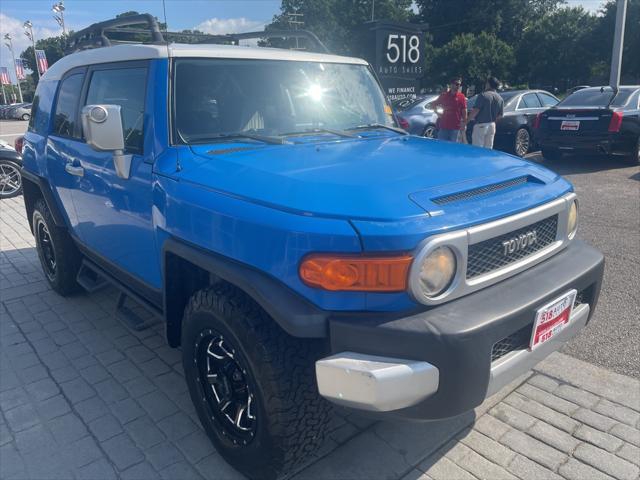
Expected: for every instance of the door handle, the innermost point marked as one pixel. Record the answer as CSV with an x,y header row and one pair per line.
x,y
74,169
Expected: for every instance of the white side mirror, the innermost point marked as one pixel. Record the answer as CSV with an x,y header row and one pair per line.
x,y
102,127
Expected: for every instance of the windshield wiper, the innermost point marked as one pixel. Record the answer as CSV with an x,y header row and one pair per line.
x,y
273,140
338,133
379,125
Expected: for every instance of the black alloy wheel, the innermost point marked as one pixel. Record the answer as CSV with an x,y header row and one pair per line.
x,y
225,386
522,143
44,241
429,131
10,179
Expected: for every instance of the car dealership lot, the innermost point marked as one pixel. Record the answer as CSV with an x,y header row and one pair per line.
x,y
82,396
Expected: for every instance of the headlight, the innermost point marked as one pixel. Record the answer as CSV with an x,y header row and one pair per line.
x,y
437,271
572,220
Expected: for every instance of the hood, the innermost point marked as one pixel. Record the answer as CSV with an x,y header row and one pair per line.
x,y
380,178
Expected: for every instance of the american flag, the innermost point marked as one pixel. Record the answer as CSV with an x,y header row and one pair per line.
x,y
20,69
4,76
41,58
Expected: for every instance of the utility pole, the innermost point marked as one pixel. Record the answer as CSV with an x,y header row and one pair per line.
x,y
373,9
59,9
9,45
28,31
618,44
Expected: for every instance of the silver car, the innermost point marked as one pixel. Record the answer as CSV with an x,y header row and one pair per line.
x,y
21,112
417,117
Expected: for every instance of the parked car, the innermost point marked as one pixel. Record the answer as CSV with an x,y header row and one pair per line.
x,y
576,88
10,165
417,117
595,121
300,248
514,131
21,112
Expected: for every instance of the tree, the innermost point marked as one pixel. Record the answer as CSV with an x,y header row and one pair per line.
x,y
505,18
558,49
475,57
54,49
335,21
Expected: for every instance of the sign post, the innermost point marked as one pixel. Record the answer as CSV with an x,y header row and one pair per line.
x,y
396,52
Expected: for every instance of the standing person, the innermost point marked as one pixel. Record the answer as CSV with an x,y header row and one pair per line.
x,y
486,112
454,116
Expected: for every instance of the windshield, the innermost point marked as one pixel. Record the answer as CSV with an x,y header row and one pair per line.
x,y
596,98
218,98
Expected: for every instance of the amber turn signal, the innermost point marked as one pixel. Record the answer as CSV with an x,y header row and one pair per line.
x,y
356,273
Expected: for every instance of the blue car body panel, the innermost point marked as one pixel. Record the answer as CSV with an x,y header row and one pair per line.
x,y
268,206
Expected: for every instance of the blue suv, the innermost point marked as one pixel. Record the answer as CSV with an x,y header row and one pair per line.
x,y
302,251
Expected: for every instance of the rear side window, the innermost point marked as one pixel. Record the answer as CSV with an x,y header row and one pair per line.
x,y
125,87
65,117
530,100
547,100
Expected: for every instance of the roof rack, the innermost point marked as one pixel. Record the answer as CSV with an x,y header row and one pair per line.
x,y
95,36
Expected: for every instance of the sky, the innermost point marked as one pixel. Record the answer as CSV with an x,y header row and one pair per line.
x,y
211,16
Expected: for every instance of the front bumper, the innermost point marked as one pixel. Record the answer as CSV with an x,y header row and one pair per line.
x,y
438,363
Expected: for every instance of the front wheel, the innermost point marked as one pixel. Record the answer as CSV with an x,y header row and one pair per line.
x,y
10,179
253,386
522,142
26,116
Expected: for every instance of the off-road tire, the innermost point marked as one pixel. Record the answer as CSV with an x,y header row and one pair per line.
x,y
67,257
551,154
291,417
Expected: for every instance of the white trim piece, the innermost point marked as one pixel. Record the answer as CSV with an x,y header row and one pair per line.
x,y
373,383
122,53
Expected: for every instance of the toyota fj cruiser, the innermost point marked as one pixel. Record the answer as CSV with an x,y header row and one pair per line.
x,y
301,249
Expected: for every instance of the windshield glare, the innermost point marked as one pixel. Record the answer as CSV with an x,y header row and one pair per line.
x,y
214,98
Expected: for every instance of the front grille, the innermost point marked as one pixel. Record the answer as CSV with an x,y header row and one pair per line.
x,y
516,341
486,256
476,192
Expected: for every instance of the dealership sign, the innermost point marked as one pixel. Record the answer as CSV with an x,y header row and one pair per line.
x,y
396,52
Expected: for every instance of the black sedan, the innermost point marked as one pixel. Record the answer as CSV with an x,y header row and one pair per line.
x,y
596,121
514,131
10,177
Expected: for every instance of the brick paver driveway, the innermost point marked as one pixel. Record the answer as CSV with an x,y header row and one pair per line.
x,y
83,397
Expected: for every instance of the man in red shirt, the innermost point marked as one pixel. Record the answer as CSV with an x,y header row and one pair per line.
x,y
454,116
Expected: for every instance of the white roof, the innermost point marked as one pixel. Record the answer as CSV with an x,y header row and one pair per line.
x,y
119,53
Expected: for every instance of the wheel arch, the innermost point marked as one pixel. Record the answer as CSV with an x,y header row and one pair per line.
x,y
187,268
34,188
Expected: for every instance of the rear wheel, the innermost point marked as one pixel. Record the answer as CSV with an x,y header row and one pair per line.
x,y
10,179
522,142
551,154
58,254
253,386
429,131
26,116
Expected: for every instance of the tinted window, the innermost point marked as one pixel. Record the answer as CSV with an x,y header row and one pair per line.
x,y
547,100
125,87
595,98
530,100
34,112
65,118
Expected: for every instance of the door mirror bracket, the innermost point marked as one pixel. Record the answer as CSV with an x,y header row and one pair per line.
x,y
102,127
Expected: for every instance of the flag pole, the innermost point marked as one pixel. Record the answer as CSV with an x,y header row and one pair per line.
x,y
9,45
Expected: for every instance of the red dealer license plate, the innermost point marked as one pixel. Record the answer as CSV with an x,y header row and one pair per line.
x,y
552,318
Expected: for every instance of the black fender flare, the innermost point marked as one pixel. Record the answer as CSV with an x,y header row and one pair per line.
x,y
47,194
295,315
